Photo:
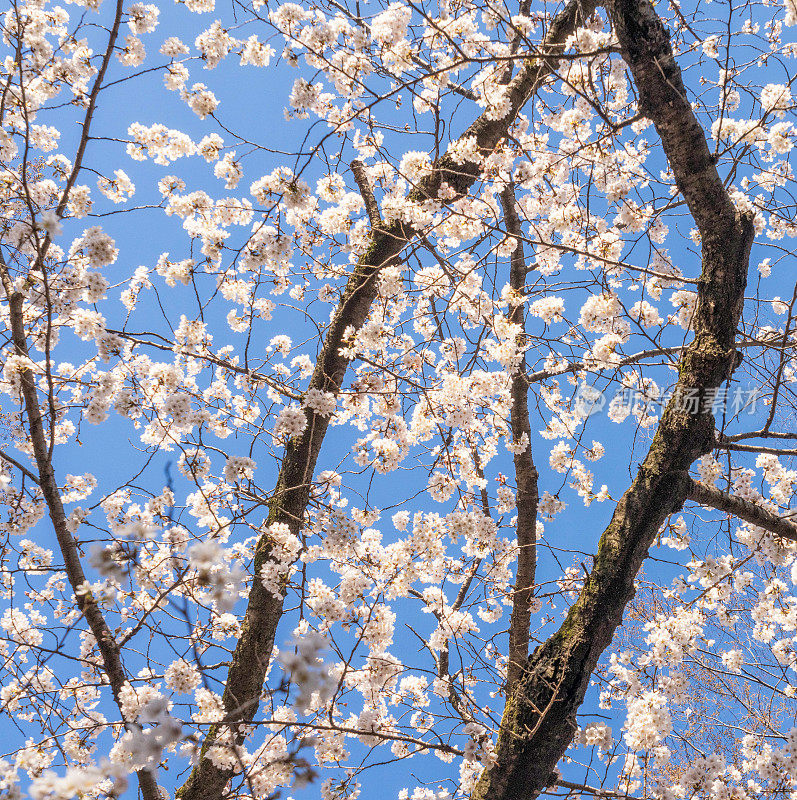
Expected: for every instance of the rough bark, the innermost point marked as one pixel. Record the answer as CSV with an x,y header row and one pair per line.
x,y
743,509
539,718
526,475
250,660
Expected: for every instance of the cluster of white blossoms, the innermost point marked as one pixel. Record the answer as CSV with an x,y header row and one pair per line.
x,y
290,422
141,747
238,468
187,353
182,677
213,570
301,660
284,551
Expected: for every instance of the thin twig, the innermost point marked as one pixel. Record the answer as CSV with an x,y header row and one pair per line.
x,y
24,470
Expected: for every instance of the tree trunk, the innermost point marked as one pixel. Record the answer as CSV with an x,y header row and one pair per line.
x,y
539,718
252,654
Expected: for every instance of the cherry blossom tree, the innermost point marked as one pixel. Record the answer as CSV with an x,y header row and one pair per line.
x,y
398,383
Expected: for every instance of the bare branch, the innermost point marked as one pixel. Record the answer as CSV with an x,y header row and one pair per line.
x,y
367,192
526,474
755,448
23,469
743,509
580,787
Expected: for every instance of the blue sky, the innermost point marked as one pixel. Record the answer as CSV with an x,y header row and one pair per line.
x,y
255,99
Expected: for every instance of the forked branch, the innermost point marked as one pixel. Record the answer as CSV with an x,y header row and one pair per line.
x,y
532,741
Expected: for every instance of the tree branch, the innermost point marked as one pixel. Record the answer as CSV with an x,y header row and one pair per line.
x,y
581,788
108,646
539,718
526,474
258,630
754,448
367,192
743,509
23,469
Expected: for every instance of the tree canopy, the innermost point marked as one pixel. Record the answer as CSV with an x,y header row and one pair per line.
x,y
398,400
